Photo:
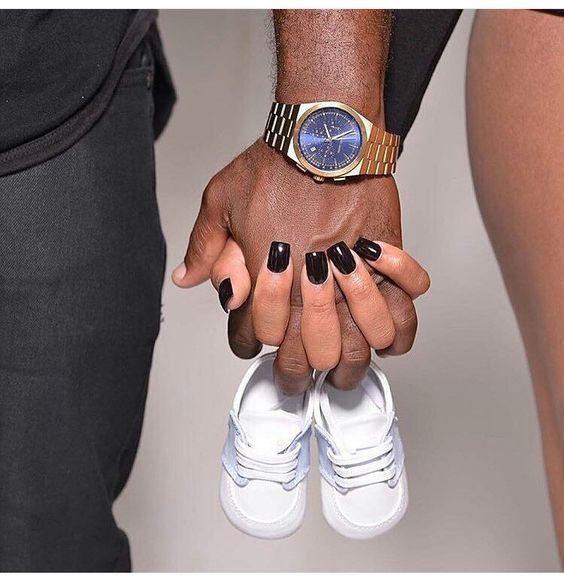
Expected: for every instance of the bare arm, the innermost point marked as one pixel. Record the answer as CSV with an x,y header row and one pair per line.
x,y
333,55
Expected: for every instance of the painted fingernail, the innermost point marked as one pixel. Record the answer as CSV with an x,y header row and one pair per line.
x,y
317,267
368,249
225,292
342,258
278,257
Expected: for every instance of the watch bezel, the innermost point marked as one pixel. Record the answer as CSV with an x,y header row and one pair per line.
x,y
301,158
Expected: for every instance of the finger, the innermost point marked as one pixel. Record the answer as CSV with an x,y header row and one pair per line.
x,y
355,352
271,298
292,372
321,333
242,339
403,313
367,306
230,277
207,240
395,264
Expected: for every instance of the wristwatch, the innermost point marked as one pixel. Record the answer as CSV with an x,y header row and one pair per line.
x,y
331,140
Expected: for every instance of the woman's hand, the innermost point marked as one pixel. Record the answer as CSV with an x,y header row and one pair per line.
x,y
260,197
350,271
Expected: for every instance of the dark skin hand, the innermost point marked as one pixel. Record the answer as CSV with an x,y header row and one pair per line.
x,y
261,196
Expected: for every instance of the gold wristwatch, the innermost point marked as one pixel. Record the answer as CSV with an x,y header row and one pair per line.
x,y
331,140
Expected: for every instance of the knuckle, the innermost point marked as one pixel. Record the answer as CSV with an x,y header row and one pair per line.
x,y
355,358
198,238
423,281
293,368
407,323
213,193
216,274
213,186
244,345
324,361
348,382
268,336
269,326
242,341
270,292
359,290
292,374
292,388
377,278
403,347
400,346
320,307
386,335
347,378
395,263
246,353
208,197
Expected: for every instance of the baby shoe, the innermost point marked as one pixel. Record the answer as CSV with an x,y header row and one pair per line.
x,y
266,456
363,482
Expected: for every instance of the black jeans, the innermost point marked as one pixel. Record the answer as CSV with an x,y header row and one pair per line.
x,y
81,270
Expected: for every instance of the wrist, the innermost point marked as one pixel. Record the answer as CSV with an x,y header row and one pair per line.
x,y
370,106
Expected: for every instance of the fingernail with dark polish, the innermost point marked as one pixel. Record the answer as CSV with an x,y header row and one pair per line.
x,y
368,249
342,258
278,257
317,267
225,292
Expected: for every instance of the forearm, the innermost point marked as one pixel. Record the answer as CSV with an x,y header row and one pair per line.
x,y
336,55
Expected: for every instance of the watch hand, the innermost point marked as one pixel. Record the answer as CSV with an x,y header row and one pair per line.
x,y
343,134
328,133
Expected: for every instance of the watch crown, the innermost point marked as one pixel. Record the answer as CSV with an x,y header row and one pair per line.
x,y
318,179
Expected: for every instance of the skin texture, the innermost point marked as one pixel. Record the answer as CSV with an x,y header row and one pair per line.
x,y
515,91
320,330
261,196
333,55
261,183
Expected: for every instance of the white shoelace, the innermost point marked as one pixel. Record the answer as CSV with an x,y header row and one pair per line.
x,y
255,465
366,466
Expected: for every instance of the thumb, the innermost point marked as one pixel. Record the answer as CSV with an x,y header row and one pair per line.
x,y
207,240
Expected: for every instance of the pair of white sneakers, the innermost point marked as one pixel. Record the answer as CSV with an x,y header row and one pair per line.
x,y
266,456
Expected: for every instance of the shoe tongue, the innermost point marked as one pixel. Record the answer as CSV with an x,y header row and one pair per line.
x,y
362,432
270,431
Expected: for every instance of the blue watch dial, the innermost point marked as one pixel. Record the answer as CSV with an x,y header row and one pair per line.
x,y
330,139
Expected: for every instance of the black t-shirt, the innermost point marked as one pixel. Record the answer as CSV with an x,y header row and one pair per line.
x,y
59,69
52,62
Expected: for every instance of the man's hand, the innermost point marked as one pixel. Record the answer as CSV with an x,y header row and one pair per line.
x,y
322,55
261,197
